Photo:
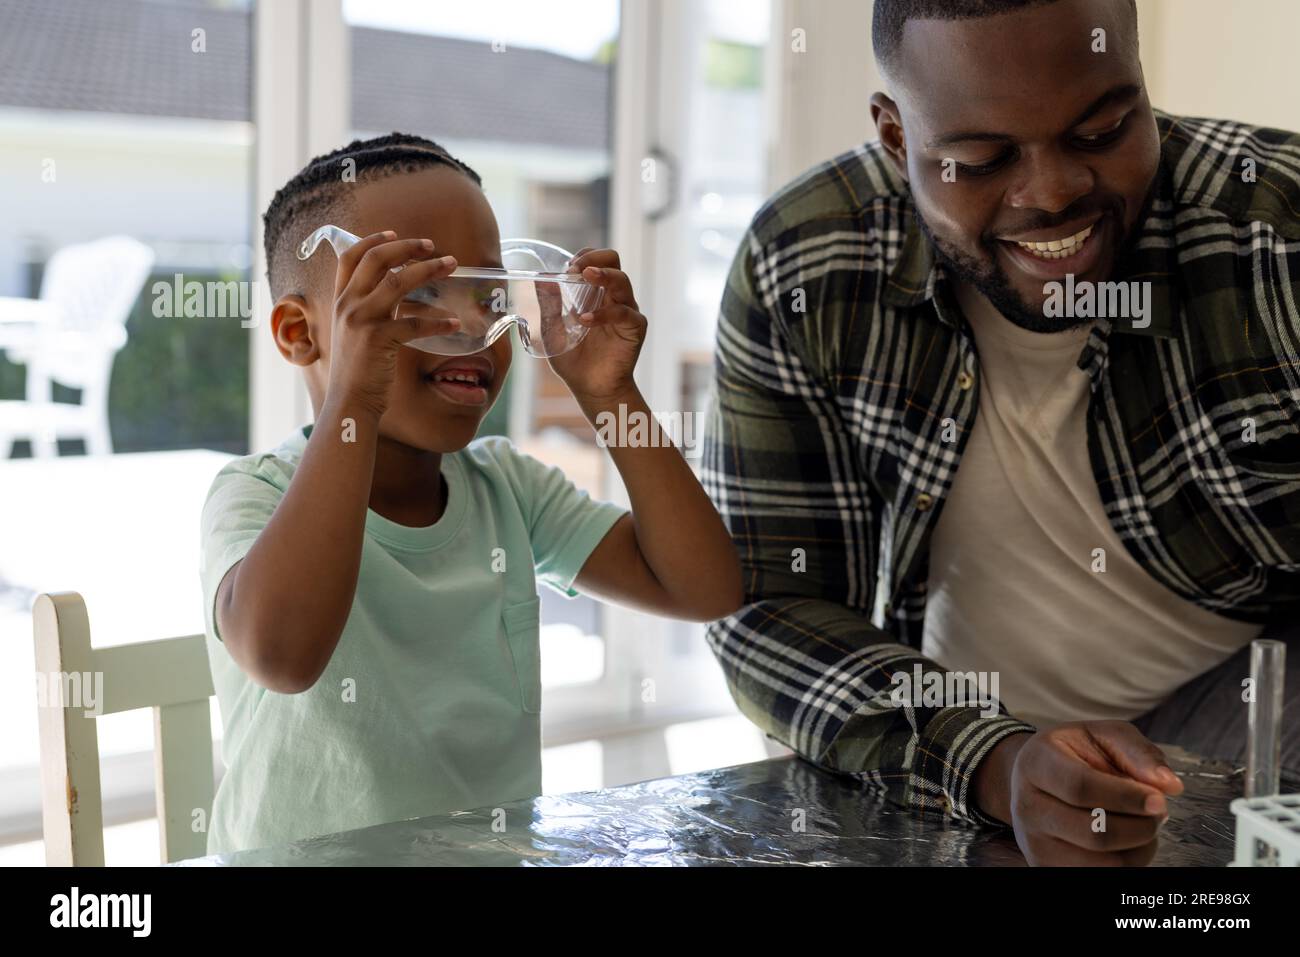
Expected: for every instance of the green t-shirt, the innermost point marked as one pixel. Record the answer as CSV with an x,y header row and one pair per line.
x,y
432,699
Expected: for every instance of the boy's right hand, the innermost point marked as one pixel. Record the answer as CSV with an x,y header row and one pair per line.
x,y
371,322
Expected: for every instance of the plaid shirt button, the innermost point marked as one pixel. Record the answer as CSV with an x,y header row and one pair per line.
x,y
923,502
965,380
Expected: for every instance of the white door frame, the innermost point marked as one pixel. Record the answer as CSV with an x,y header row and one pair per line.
x,y
301,105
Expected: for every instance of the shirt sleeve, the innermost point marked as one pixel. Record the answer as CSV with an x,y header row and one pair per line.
x,y
239,505
565,524
802,657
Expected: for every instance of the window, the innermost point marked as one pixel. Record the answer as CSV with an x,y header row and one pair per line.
x,y
103,144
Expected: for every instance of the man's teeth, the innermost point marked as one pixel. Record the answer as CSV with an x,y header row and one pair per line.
x,y
1058,248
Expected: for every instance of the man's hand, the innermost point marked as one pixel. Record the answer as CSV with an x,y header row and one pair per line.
x,y
1051,785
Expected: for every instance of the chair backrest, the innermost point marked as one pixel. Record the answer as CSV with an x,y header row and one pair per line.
x,y
170,676
92,287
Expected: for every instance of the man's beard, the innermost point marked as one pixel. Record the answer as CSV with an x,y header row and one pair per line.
x,y
989,279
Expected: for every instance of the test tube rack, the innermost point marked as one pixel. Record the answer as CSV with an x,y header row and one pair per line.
x,y
1268,831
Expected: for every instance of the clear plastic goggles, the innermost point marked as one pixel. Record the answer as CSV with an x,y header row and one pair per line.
x,y
533,293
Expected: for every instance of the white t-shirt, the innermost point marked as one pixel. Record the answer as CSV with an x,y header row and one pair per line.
x,y
1012,585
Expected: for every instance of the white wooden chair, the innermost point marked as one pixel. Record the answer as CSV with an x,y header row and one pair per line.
x,y
90,288
170,676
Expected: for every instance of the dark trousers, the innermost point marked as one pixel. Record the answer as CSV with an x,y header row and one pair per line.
x,y
1208,717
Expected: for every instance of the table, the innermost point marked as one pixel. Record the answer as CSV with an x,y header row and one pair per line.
x,y
21,320
17,309
747,814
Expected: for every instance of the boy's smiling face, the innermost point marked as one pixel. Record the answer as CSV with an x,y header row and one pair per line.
x,y
444,205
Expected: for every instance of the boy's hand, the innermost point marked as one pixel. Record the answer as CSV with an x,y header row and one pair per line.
x,y
368,297
600,368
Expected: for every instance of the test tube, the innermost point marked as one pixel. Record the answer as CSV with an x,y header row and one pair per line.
x,y
1264,742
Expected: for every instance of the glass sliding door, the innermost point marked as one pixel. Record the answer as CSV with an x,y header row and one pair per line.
x,y
126,181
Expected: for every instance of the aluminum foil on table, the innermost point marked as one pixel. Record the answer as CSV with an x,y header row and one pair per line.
x,y
782,811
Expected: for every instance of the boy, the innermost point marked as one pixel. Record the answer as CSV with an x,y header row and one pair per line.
x,y
370,585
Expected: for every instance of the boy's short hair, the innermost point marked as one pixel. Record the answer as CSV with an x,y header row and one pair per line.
x,y
319,193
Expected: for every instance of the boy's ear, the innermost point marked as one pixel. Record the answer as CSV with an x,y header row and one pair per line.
x,y
292,331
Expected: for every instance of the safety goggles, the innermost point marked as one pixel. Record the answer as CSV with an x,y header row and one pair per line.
x,y
533,293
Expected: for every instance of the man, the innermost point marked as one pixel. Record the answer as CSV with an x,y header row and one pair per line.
x,y
1014,392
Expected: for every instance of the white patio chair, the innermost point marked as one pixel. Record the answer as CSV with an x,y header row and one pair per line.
x,y
91,288
170,676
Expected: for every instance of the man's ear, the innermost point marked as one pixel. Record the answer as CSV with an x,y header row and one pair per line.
x,y
292,331
889,126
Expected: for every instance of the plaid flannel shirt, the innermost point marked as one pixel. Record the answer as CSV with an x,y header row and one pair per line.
x,y
841,356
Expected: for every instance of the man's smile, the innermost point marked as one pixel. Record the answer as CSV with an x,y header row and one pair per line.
x,y
1052,244
1051,254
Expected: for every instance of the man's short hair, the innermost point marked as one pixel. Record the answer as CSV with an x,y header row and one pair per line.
x,y
888,17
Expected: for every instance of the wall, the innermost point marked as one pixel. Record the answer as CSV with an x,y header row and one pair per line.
x,y
820,107
1231,60
1201,58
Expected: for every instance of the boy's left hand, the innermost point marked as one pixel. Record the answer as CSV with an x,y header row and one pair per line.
x,y
600,368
